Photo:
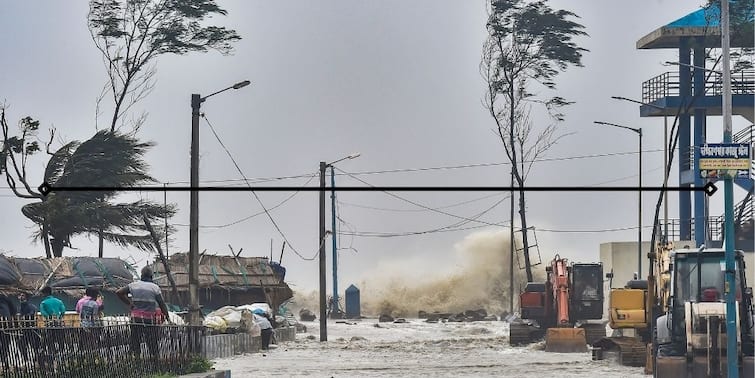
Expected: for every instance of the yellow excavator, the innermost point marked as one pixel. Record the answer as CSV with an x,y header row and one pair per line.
x,y
685,290
629,311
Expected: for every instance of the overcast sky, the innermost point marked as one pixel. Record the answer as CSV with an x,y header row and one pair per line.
x,y
397,81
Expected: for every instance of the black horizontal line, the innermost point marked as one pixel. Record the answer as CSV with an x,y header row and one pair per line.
x,y
378,189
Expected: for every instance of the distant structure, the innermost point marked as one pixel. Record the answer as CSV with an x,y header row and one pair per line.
x,y
353,305
224,281
694,93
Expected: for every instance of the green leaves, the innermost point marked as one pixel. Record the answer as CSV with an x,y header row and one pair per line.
x,y
159,26
531,41
130,34
108,159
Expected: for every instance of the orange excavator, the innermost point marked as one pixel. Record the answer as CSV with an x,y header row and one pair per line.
x,y
559,309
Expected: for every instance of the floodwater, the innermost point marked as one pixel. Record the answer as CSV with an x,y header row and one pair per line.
x,y
416,349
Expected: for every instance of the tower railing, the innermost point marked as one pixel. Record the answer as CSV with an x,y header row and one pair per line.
x,y
667,84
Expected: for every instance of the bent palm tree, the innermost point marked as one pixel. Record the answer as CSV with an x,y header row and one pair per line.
x,y
109,160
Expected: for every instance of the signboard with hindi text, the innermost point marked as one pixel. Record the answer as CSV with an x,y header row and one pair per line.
x,y
725,161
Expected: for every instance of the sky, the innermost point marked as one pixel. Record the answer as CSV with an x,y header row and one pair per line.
x,y
397,82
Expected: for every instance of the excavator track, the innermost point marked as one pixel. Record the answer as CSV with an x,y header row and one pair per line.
x,y
594,332
523,334
631,351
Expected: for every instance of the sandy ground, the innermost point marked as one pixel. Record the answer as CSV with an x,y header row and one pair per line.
x,y
416,349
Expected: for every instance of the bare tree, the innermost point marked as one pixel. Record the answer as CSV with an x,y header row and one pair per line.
x,y
14,156
528,45
131,34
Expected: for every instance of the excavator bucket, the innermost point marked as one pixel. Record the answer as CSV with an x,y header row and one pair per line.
x,y
565,340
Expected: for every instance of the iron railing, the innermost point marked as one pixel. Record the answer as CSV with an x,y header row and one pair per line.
x,y
744,219
667,84
107,350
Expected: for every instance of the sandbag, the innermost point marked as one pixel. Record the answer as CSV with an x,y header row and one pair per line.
x,y
233,319
215,322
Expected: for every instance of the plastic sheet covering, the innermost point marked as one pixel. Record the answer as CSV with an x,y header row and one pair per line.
x,y
256,307
9,274
64,272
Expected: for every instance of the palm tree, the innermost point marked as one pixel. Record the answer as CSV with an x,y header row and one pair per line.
x,y
109,159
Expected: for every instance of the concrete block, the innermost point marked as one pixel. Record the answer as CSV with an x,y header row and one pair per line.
x,y
209,374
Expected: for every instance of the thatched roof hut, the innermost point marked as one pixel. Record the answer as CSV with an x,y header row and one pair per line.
x,y
224,280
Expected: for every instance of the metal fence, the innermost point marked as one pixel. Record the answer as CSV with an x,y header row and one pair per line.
x,y
668,84
117,348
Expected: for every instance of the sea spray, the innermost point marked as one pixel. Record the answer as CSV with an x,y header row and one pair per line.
x,y
478,279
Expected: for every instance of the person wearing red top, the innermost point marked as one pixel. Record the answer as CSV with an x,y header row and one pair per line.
x,y
147,311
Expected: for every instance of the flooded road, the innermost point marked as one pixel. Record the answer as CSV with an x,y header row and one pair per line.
x,y
416,349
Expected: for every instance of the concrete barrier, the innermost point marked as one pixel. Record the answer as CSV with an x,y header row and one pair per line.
x,y
285,334
209,374
227,345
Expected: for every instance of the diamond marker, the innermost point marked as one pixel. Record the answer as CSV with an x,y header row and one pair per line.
x,y
710,188
44,189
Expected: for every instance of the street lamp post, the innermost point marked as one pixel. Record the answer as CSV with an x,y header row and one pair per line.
x,y
322,258
639,192
196,102
665,162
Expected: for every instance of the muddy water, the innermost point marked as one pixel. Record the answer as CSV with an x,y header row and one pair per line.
x,y
417,349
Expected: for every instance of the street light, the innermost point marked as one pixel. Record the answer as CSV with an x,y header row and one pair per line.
x,y
196,102
323,303
639,205
665,161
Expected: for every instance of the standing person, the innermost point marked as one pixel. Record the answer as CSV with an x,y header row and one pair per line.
x,y
147,310
266,329
52,310
7,312
90,307
27,320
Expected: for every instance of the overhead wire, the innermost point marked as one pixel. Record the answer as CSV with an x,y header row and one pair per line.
x,y
244,219
452,228
422,210
418,204
275,224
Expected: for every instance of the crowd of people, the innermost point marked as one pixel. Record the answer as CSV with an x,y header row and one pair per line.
x,y
41,337
35,344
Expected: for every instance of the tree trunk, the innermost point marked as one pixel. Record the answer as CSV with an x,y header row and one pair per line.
x,y
100,250
46,241
164,260
525,243
57,247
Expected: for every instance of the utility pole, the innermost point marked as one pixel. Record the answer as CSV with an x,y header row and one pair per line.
x,y
194,315
321,255
335,311
730,287
639,211
323,302
665,181
196,101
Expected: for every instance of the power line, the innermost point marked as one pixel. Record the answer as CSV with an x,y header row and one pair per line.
x,y
279,204
275,224
478,165
242,181
421,210
448,228
419,204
